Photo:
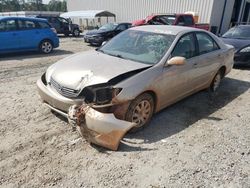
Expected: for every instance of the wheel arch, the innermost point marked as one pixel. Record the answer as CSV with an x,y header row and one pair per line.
x,y
46,39
223,71
155,98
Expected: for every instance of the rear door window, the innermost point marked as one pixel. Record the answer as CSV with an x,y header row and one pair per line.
x,y
8,25
26,24
206,43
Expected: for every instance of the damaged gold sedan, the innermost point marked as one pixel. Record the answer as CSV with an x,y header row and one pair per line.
x,y
118,87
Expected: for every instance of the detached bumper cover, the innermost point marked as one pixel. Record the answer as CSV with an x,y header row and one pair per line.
x,y
99,128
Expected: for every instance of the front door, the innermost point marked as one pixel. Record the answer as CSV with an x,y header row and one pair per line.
x,y
176,77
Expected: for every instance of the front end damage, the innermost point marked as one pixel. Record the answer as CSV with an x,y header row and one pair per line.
x,y
102,129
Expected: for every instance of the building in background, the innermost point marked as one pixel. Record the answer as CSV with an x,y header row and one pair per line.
x,y
221,14
30,13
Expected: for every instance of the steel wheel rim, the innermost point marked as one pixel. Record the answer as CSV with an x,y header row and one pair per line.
x,y
141,113
217,81
46,47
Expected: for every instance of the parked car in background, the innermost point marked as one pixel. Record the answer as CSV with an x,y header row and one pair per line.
x,y
26,34
171,19
63,26
105,33
239,37
134,75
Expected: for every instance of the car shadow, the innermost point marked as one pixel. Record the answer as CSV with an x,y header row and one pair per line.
x,y
186,112
32,54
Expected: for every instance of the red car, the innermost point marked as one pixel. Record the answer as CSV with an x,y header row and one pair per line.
x,y
171,19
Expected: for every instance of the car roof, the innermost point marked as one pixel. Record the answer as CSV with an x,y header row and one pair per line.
x,y
165,29
22,18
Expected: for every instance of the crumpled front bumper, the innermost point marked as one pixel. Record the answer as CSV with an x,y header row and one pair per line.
x,y
99,128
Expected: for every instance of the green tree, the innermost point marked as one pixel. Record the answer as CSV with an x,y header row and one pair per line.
x,y
57,5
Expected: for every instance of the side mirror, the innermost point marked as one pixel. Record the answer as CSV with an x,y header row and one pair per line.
x,y
176,61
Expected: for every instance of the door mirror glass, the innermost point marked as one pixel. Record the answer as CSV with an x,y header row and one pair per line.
x,y
177,61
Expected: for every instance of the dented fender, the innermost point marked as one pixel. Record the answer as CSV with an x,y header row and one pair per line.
x,y
102,129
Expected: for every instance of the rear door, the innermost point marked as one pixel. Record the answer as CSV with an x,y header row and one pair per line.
x,y
9,35
207,62
29,34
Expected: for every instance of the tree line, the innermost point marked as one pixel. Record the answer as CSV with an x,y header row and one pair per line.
x,y
32,5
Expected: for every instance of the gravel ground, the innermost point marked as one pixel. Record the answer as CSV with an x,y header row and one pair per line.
x,y
198,142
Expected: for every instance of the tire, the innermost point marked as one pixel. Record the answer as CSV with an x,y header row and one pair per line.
x,y
46,46
66,34
140,111
216,81
76,33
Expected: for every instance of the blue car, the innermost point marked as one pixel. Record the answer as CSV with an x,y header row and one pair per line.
x,y
26,34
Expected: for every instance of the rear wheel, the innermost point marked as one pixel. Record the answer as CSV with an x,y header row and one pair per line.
x,y
216,81
76,33
140,111
46,47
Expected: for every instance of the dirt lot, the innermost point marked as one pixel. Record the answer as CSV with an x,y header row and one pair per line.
x,y
198,142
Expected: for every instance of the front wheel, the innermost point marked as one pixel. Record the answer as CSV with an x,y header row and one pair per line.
x,y
140,111
46,47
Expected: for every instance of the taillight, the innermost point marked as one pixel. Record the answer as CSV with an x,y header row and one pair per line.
x,y
54,30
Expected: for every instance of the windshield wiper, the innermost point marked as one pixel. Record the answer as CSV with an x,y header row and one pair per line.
x,y
116,55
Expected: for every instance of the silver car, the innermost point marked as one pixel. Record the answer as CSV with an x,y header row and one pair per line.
x,y
119,86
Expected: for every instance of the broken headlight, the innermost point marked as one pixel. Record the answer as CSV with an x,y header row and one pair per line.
x,y
100,94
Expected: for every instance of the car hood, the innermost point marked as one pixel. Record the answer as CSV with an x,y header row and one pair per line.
x,y
236,43
89,68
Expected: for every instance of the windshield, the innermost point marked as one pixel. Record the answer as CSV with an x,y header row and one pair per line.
x,y
140,46
108,27
238,33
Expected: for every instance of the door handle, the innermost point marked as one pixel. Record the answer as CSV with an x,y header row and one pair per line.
x,y
14,34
